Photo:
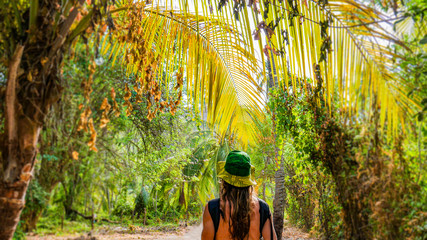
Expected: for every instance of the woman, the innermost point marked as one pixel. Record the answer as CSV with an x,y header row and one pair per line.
x,y
237,214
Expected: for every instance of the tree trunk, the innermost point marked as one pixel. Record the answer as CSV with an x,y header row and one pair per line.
x,y
71,189
18,151
279,199
30,219
24,121
24,114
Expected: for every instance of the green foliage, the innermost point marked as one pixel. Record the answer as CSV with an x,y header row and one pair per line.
x,y
122,208
141,202
339,177
19,233
311,197
294,123
158,166
36,197
415,71
264,159
166,166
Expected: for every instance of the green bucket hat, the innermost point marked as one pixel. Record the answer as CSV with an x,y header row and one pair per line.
x,y
237,169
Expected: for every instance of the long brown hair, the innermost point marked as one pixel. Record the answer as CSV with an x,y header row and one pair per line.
x,y
239,199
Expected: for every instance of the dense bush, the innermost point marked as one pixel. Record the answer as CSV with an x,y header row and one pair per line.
x,y
123,208
347,182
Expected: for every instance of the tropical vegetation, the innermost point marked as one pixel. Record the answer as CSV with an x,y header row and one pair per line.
x,y
116,112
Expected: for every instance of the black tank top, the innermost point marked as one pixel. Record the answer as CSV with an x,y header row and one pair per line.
x,y
216,213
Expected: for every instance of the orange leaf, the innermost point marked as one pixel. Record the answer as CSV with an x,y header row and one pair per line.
x,y
104,122
75,155
92,140
44,60
105,105
113,93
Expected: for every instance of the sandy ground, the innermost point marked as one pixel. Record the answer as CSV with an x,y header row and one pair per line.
x,y
188,233
192,232
293,233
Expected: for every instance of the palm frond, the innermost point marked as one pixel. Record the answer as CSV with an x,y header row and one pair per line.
x,y
341,46
218,70
349,44
345,38
375,79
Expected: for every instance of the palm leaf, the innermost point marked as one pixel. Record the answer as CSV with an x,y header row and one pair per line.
x,y
219,72
360,68
376,79
218,53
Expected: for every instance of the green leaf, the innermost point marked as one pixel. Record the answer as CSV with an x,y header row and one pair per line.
x,y
424,40
17,16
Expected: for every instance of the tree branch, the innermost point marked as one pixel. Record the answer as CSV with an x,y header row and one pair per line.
x,y
59,41
91,217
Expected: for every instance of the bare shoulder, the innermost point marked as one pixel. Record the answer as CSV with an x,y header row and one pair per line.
x,y
208,231
255,203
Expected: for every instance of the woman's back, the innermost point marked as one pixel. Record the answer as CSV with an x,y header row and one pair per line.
x,y
223,227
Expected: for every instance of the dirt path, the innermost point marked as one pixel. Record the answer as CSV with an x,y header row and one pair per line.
x,y
192,233
188,233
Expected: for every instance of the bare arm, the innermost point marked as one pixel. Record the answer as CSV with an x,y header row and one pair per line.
x,y
208,232
266,230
